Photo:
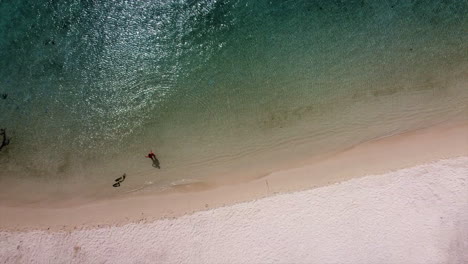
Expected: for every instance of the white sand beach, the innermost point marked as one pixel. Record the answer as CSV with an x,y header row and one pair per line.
x,y
391,210
414,215
331,132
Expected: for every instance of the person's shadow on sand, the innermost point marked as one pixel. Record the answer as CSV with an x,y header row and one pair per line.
x,y
156,163
153,158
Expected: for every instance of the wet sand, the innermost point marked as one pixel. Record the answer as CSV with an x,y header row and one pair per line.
x,y
375,157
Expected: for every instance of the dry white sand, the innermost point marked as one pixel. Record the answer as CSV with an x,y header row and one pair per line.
x,y
414,215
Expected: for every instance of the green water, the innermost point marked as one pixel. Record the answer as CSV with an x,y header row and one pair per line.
x,y
211,86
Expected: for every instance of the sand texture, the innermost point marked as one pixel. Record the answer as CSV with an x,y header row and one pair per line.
x,y
374,157
414,215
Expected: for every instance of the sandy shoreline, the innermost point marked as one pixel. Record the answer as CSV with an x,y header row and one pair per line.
x,y
375,157
413,215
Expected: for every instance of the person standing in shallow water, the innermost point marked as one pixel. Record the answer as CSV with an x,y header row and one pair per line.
x,y
153,158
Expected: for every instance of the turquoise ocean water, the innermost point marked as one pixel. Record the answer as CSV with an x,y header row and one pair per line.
x,y
213,87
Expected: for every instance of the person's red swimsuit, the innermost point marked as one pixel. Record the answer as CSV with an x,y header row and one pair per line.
x,y
151,155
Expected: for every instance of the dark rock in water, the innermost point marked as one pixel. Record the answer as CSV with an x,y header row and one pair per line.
x,y
4,95
5,140
49,42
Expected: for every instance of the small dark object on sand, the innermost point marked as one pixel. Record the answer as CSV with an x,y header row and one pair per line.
x,y
119,180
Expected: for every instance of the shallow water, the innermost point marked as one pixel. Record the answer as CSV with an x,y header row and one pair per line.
x,y
212,86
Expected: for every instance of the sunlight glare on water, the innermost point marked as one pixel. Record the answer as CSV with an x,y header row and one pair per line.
x,y
94,85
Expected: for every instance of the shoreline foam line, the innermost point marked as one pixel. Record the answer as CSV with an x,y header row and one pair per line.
x,y
375,157
413,215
